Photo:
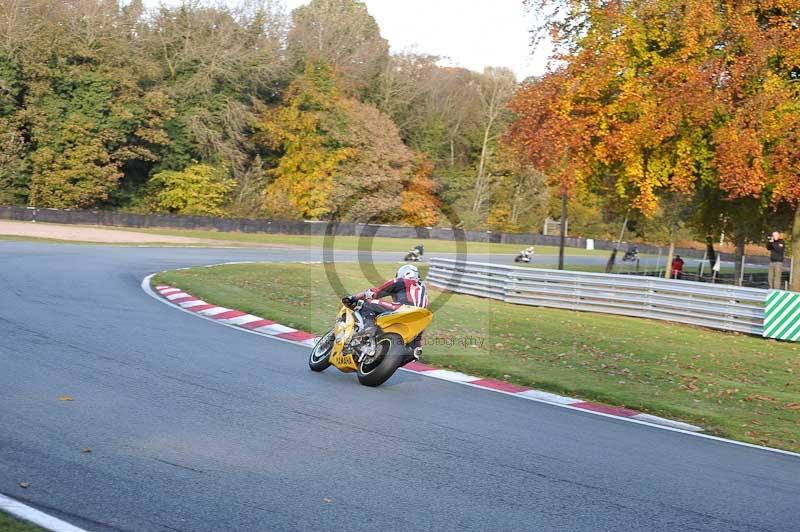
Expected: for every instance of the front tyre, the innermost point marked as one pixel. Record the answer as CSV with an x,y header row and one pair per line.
x,y
320,357
390,353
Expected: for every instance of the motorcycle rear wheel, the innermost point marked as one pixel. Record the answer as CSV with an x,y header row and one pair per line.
x,y
320,357
391,355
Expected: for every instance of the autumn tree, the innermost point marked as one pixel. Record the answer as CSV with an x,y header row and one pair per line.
x,y
520,198
84,112
303,179
368,185
495,88
549,132
447,118
13,164
100,101
672,97
214,62
199,189
755,63
421,206
342,34
402,88
337,156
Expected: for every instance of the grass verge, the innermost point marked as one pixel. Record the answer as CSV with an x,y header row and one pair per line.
x,y
734,385
11,524
153,244
376,243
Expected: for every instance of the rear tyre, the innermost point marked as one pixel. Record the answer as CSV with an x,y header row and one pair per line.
x,y
390,355
320,357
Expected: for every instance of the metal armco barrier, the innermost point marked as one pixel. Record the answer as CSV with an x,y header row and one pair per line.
x,y
728,308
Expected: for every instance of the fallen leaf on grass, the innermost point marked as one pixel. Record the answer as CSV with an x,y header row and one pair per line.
x,y
65,398
756,397
24,485
793,406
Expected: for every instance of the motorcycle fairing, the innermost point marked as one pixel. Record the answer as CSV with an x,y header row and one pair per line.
x,y
407,321
343,331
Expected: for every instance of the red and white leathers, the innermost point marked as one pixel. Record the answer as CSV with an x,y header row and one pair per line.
x,y
402,291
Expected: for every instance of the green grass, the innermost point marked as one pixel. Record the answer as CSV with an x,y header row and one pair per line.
x,y
353,243
25,238
733,385
16,238
10,524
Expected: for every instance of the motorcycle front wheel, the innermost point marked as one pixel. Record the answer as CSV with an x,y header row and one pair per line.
x,y
320,357
389,355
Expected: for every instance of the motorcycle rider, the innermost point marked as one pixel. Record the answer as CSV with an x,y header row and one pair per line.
x,y
525,255
407,288
415,253
632,254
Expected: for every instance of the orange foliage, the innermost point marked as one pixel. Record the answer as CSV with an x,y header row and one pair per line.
x,y
420,206
653,96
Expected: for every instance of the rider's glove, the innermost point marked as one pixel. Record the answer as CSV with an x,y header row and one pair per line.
x,y
349,300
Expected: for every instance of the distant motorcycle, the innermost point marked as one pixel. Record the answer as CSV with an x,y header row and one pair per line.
x,y
415,254
632,255
525,255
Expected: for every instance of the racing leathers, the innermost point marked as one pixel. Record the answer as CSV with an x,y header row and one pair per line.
x,y
403,292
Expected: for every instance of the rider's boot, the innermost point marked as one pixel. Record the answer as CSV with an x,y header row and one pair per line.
x,y
416,346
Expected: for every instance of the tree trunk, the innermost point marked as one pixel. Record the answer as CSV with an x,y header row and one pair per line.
x,y
711,253
613,258
670,256
515,206
563,233
739,242
480,184
795,275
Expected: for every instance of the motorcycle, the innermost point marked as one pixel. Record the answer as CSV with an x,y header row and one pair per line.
x,y
524,256
374,358
632,255
414,254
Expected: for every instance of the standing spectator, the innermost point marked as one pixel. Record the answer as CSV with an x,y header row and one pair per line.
x,y
776,248
677,267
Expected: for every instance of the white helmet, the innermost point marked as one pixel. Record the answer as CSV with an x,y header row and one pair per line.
x,y
409,271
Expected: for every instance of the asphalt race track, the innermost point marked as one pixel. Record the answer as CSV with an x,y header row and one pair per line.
x,y
198,427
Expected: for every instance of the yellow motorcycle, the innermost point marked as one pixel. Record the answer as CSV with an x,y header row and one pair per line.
x,y
374,357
